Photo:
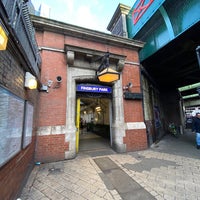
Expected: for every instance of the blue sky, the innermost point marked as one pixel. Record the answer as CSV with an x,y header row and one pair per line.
x,y
93,14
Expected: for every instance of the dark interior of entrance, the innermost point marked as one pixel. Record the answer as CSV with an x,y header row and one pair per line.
x,y
94,124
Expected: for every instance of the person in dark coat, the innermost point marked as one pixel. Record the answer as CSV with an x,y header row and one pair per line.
x,y
196,128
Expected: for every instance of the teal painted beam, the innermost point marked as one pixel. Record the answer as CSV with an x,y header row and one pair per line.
x,y
167,22
161,22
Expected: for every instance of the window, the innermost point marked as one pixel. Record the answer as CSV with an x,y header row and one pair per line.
x,y
11,125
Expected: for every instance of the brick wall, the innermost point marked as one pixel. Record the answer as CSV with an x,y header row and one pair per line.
x,y
135,140
53,104
133,110
51,148
14,172
11,75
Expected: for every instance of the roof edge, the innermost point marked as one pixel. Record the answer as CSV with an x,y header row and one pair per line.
x,y
43,24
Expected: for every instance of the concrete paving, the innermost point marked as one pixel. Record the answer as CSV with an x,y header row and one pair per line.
x,y
168,170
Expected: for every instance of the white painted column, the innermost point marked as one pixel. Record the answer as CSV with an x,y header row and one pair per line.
x,y
118,126
70,135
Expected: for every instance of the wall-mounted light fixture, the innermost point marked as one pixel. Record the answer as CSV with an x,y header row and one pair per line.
x,y
30,81
105,73
128,86
108,75
3,37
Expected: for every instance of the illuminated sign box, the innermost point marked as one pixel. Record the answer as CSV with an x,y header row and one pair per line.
x,y
93,88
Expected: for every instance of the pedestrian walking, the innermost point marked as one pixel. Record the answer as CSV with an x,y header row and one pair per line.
x,y
196,128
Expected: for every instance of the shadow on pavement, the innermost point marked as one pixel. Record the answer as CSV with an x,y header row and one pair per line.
x,y
184,145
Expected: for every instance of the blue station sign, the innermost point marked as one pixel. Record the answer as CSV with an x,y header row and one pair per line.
x,y
93,88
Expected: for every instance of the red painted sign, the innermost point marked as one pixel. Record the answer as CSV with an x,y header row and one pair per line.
x,y
140,9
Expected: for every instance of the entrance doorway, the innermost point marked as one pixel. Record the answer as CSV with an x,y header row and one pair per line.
x,y
93,123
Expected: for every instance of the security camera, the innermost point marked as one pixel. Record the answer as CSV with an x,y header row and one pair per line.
x,y
58,82
59,79
130,85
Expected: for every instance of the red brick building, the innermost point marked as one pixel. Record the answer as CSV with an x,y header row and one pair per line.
x,y
43,124
70,58
18,104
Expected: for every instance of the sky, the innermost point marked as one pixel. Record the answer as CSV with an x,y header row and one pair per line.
x,y
92,14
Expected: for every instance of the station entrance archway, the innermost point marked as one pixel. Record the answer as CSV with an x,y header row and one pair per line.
x,y
93,117
93,124
81,70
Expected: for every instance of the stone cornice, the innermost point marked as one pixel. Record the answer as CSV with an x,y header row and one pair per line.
x,y
45,24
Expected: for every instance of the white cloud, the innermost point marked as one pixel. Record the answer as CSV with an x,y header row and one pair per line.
x,y
92,14
88,16
68,4
85,18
